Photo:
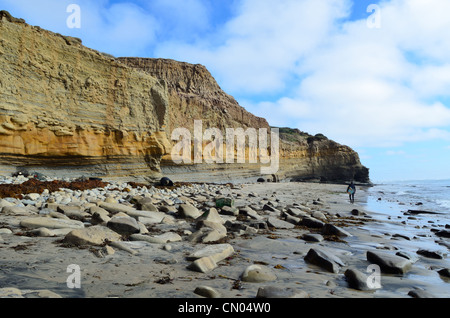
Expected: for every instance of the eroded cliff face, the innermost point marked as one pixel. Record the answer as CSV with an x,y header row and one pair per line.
x,y
70,109
195,95
65,106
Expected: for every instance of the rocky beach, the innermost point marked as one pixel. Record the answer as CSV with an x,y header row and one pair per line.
x,y
238,241
221,230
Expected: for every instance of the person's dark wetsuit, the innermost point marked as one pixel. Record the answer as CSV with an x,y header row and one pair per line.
x,y
351,190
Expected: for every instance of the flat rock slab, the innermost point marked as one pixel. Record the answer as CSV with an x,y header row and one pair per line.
x,y
50,223
157,239
443,233
330,229
279,224
311,222
95,235
147,214
312,237
217,252
212,216
391,264
124,225
431,254
324,259
116,207
15,210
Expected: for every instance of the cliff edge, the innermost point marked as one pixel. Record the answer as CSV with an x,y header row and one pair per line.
x,y
67,108
195,95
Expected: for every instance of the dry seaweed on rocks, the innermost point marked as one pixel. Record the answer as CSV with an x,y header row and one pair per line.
x,y
35,186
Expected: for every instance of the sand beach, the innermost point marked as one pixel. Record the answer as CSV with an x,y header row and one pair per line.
x,y
274,240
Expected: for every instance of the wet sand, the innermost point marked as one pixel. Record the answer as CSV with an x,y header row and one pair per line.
x,y
32,264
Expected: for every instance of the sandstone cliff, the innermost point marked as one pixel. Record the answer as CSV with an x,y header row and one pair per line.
x,y
70,109
64,106
195,95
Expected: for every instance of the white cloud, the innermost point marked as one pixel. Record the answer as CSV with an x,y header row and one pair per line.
x,y
359,86
295,62
256,51
180,19
395,153
118,28
368,90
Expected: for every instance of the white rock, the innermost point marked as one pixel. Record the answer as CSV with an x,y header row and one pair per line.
x,y
258,274
217,252
203,265
32,196
95,235
50,223
158,239
5,231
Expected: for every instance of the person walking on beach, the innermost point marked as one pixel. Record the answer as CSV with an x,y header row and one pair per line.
x,y
351,190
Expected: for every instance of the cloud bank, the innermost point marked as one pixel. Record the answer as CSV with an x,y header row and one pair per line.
x,y
299,63
304,64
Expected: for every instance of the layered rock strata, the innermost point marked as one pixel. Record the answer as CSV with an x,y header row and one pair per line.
x,y
195,95
67,107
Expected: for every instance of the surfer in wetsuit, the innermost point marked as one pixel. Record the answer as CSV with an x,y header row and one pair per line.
x,y
351,190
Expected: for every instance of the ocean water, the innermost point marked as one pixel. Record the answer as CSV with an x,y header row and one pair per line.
x,y
401,196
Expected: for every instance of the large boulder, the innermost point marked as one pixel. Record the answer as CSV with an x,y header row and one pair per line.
x,y
95,235
358,280
124,225
391,264
324,259
188,211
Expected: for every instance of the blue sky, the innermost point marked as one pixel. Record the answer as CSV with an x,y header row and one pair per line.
x,y
316,65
